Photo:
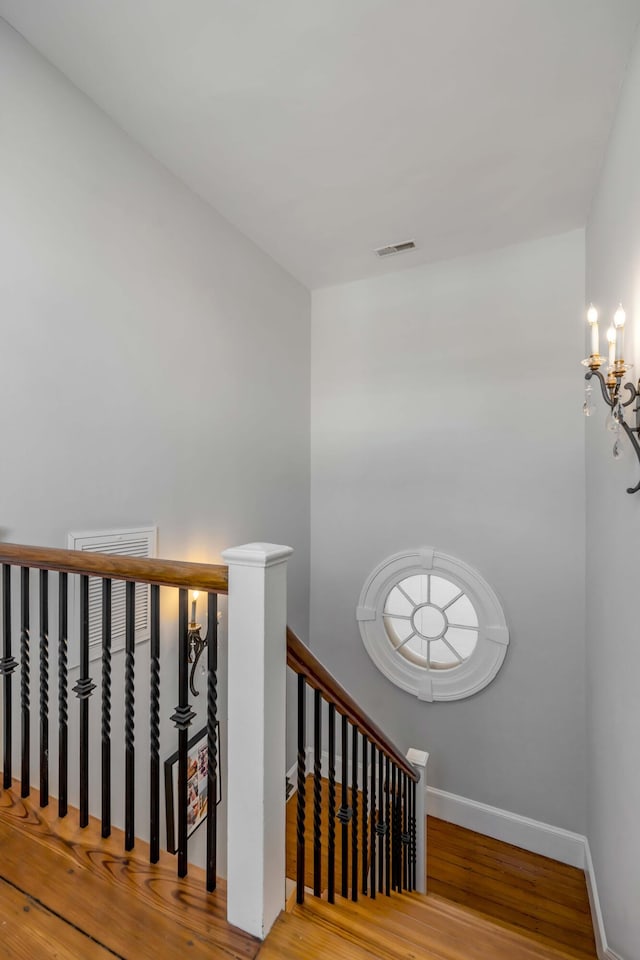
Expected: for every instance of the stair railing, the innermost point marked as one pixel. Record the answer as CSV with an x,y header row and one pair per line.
x,y
381,808
137,573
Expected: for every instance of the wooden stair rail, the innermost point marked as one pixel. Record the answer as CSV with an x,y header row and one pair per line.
x,y
212,578
301,660
29,602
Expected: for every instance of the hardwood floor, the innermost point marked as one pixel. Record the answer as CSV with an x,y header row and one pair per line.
x,y
68,894
486,899
546,899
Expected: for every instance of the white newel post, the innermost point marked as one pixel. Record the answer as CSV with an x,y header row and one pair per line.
x,y
257,664
418,759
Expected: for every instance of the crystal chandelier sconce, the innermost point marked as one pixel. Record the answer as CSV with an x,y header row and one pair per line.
x,y
611,386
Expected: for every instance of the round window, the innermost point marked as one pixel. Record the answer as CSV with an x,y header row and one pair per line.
x,y
433,625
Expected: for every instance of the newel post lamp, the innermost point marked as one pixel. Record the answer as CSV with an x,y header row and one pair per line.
x,y
617,396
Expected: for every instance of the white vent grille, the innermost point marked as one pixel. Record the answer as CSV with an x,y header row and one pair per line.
x,y
395,248
139,542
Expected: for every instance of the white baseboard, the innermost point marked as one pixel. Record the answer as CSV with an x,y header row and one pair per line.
x,y
602,947
542,838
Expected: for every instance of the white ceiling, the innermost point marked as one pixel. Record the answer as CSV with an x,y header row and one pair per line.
x,y
326,128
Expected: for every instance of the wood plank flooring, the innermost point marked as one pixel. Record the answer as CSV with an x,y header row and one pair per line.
x,y
514,887
487,899
67,894
85,898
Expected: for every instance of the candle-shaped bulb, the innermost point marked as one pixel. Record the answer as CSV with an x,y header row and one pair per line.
x,y
619,318
194,604
592,317
611,340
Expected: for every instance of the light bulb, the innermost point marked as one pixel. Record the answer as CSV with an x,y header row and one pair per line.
x,y
592,314
611,335
619,317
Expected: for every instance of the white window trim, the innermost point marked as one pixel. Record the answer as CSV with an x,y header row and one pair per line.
x,y
458,682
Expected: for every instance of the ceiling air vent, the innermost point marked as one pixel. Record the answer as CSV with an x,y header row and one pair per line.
x,y
395,248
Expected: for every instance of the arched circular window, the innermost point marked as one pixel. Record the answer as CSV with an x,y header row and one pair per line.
x,y
432,625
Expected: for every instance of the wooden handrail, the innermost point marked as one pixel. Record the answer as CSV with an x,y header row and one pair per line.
x,y
302,661
213,578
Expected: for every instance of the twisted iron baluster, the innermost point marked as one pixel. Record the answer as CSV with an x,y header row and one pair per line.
x,y
44,688
25,698
212,753
365,813
154,727
106,708
332,805
129,714
302,771
317,793
83,689
373,821
387,785
354,807
63,680
7,665
414,843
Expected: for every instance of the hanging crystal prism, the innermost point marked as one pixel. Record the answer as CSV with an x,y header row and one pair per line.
x,y
617,449
615,418
588,407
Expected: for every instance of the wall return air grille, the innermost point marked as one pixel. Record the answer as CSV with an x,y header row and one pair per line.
x,y
134,542
395,248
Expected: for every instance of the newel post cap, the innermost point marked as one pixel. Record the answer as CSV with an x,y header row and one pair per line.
x,y
257,554
418,758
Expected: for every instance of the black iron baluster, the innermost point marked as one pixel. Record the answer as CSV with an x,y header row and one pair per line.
x,y
387,851
129,715
83,690
7,665
414,844
365,813
398,809
212,753
354,819
25,698
317,793
44,688
372,855
405,833
410,832
394,830
344,814
182,719
63,708
302,773
154,726
381,826
106,707
331,864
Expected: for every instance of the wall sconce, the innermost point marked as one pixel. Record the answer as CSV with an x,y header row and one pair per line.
x,y
197,642
611,386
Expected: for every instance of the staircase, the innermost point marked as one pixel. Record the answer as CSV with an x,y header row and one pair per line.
x,y
73,885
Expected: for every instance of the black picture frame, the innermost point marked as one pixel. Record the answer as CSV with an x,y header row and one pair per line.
x,y
196,780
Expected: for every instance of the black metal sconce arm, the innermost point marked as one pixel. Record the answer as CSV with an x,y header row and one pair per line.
x,y
611,394
197,644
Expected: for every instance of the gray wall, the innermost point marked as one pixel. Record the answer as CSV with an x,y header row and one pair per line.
x,y
155,363
446,412
613,527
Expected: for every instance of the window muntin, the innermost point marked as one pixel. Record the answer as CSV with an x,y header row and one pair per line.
x,y
431,622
